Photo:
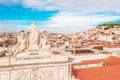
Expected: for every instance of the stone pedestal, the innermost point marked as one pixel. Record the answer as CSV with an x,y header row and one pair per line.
x,y
35,67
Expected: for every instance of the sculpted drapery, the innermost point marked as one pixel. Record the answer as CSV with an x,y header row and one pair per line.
x,y
34,35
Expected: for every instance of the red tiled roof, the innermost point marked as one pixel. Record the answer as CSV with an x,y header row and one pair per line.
x,y
100,73
113,46
112,60
92,61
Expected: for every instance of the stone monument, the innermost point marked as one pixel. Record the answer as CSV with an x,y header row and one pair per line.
x,y
34,63
43,42
33,36
21,45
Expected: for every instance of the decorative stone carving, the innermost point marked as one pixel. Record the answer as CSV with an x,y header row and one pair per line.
x,y
43,42
33,36
28,43
21,45
45,73
4,75
24,74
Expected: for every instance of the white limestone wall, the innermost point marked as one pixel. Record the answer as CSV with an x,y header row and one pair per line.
x,y
78,59
4,61
36,71
45,73
4,75
59,72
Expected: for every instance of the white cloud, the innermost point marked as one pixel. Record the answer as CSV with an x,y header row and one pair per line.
x,y
85,6
74,15
36,4
81,5
63,22
66,22
11,28
9,2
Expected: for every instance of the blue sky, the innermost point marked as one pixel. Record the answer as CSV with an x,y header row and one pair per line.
x,y
63,16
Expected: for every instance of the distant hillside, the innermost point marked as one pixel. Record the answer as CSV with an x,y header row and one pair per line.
x,y
110,25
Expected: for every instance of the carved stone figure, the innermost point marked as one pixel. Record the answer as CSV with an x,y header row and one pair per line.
x,y
43,42
33,36
22,44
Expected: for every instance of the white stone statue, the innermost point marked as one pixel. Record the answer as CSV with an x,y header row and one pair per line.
x,y
33,36
43,42
22,44
14,48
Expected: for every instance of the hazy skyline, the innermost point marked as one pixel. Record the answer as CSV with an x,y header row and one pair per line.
x,y
63,16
